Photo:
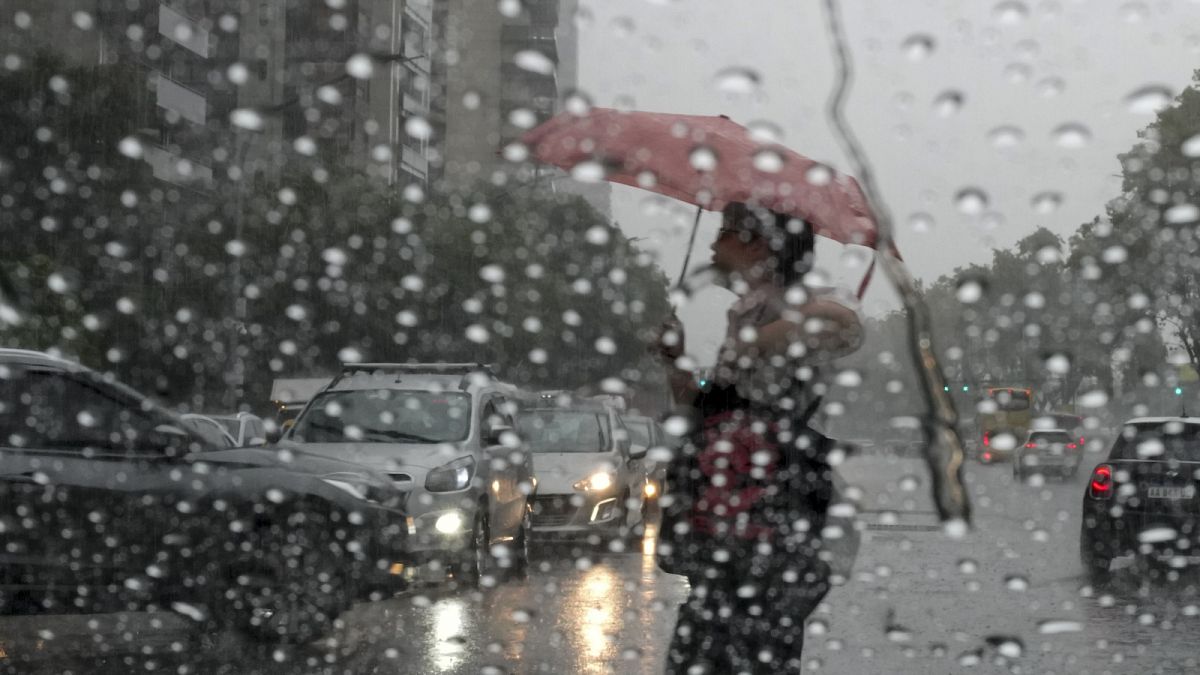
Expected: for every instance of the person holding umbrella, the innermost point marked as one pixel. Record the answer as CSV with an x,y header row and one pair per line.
x,y
746,498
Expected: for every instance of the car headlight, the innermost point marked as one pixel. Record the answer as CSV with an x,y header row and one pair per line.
x,y
597,482
451,477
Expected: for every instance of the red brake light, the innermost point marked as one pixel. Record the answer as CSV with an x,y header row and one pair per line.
x,y
1071,446
1029,445
986,440
987,456
1102,482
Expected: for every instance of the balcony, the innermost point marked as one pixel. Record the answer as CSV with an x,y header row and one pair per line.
x,y
171,95
183,31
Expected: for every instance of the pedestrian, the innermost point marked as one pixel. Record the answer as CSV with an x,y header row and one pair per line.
x,y
747,496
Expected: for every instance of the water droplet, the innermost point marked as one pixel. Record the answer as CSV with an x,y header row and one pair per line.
x,y
968,566
1072,135
83,20
909,483
948,103
477,334
1134,12
509,8
296,312
606,345
1005,136
235,248
577,103
1149,99
58,283
921,222
126,306
848,377
1006,646
955,528
1016,583
1057,364
918,47
493,274
335,256
245,118
131,147
1046,202
1004,441
1115,255
737,80
970,658
305,146
1049,87
238,74
479,213
350,355
538,355
1182,213
819,174
899,635
1096,398
522,118
598,235
762,131
676,425
1157,535
360,66
1056,626
1010,12
190,611
534,61
768,161
703,158
329,94
588,172
419,128
971,201
1017,73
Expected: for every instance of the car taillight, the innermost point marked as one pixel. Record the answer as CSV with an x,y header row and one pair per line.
x,y
1102,483
1029,445
1071,446
987,456
986,440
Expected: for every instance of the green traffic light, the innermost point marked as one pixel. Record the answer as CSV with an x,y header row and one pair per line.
x,y
946,388
1178,391
966,388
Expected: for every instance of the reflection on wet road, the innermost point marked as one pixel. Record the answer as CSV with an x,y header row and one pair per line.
x,y
1009,597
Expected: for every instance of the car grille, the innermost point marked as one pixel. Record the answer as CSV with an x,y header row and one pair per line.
x,y
553,511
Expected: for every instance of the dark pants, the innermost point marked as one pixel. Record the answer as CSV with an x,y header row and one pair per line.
x,y
748,616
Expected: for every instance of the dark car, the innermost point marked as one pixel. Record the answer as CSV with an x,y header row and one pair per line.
x,y
107,503
1142,500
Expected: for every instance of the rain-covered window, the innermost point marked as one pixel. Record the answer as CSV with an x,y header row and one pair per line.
x,y
630,336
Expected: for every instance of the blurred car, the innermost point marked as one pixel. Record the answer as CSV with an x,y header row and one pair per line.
x,y
1142,500
1048,451
646,434
107,502
443,433
589,478
209,429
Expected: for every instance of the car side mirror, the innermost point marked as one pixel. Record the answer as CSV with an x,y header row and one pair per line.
x,y
496,434
637,451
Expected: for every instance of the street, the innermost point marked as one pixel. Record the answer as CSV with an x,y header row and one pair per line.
x,y
1008,597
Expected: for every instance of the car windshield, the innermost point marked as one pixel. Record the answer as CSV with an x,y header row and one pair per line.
x,y
1158,442
1049,438
639,432
384,416
546,431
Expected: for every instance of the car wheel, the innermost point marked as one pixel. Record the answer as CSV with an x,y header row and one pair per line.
x,y
1097,560
520,565
477,559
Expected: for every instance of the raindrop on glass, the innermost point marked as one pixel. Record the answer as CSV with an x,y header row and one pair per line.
x,y
245,118
235,248
349,355
534,61
948,103
1191,147
419,128
606,345
1096,398
238,74
918,47
1005,136
360,66
131,147
493,274
1050,87
921,222
577,103
477,334
329,94
763,131
516,152
509,8
703,159
522,118
818,174
1057,364
83,20
1072,135
1149,99
1010,12
1016,583
971,201
588,172
736,80
598,235
479,213
768,161
1057,626
1046,202
305,146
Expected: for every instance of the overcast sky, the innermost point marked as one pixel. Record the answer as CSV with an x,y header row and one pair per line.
x,y
1033,67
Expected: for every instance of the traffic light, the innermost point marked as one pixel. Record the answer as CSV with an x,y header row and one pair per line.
x,y
1179,391
966,388
946,388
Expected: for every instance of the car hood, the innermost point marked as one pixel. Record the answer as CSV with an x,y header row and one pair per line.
x,y
557,472
385,457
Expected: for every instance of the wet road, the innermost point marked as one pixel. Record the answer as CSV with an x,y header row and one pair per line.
x,y
1007,597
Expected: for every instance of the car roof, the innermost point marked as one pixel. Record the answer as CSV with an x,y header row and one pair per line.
x,y
1144,421
1049,431
418,381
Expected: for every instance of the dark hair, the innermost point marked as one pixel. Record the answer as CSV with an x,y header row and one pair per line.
x,y
792,242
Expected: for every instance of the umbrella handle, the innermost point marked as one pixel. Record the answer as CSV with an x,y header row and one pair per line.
x,y
687,259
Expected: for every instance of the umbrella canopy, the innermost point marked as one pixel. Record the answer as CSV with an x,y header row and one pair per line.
x,y
707,161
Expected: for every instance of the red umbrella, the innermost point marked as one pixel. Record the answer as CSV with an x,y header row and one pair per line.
x,y
707,161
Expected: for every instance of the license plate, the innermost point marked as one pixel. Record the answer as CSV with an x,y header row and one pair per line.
x,y
1169,493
